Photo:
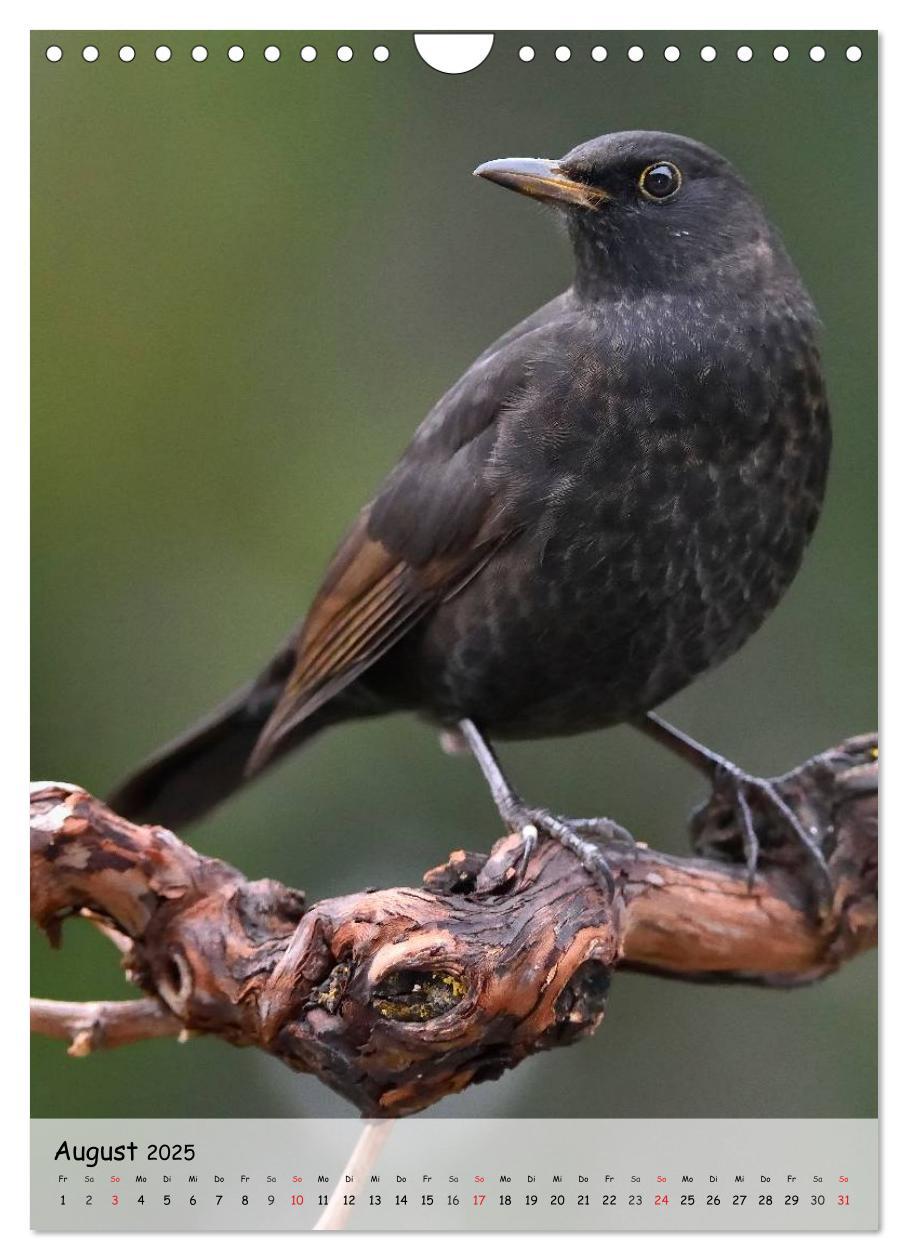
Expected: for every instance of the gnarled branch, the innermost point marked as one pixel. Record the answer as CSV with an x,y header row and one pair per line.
x,y
398,997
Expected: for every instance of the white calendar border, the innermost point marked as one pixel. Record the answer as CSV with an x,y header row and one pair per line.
x,y
466,15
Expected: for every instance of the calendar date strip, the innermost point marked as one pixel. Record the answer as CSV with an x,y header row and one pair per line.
x,y
397,997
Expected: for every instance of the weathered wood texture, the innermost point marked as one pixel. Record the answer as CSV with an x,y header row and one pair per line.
x,y
397,997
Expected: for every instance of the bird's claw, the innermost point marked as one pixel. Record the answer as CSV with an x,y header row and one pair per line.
x,y
530,822
746,794
530,837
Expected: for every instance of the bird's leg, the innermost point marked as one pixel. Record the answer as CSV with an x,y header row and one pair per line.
x,y
743,792
526,820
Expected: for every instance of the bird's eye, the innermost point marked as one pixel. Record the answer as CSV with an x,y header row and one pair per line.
x,y
660,181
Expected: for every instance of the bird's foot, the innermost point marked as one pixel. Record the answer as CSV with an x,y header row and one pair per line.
x,y
529,822
520,818
751,812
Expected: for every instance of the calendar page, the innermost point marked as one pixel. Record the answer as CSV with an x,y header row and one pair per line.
x,y
454,552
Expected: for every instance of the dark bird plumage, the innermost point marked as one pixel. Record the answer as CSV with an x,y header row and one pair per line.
x,y
608,502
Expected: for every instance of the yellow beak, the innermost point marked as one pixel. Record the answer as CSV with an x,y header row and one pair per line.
x,y
541,179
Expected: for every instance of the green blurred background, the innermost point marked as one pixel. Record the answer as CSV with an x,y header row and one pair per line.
x,y
250,282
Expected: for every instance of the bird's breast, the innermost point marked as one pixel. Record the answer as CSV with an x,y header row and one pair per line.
x,y
668,499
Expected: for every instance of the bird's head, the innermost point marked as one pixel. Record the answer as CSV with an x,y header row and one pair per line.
x,y
646,209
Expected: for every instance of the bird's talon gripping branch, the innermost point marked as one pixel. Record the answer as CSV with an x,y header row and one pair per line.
x,y
519,818
746,793
728,821
588,854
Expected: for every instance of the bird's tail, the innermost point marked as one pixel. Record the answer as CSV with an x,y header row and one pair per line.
x,y
202,767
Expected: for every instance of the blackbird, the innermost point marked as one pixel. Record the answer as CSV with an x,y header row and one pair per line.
x,y
608,502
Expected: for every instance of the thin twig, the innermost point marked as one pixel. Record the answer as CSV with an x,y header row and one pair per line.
x,y
89,1026
363,1158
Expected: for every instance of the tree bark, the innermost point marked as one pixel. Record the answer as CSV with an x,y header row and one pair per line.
x,y
395,998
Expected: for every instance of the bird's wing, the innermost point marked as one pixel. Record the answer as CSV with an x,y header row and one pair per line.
x,y
433,525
